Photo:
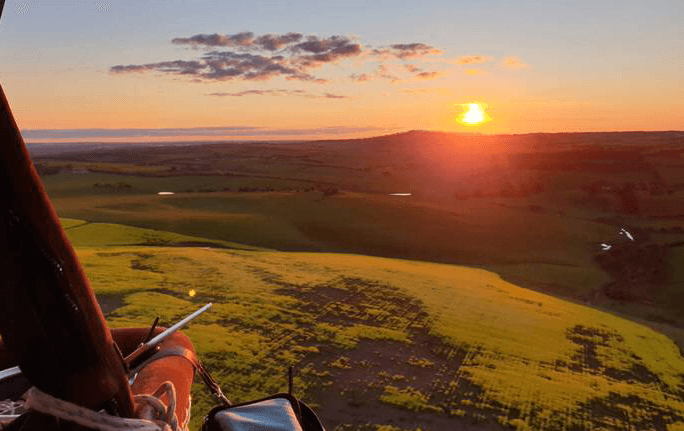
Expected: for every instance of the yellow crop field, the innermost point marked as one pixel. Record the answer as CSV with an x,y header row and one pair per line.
x,y
394,344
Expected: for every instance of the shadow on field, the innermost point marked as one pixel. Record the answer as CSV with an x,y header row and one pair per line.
x,y
415,382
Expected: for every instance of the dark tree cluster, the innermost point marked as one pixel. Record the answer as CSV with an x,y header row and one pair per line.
x,y
506,190
629,199
328,190
637,269
44,170
113,187
654,188
256,189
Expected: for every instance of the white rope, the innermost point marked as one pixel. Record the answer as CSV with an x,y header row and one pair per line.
x,y
155,416
151,408
9,407
9,411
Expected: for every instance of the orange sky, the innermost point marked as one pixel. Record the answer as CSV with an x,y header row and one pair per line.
x,y
575,67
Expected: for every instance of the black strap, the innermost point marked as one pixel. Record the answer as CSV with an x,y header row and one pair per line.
x,y
188,354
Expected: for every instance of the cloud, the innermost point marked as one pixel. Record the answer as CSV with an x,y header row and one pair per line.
x,y
257,93
406,51
308,78
361,78
320,49
473,59
222,65
292,56
178,66
414,50
194,133
334,96
397,73
325,50
280,92
317,45
430,75
273,42
384,72
239,39
514,63
438,90
244,40
56,134
254,58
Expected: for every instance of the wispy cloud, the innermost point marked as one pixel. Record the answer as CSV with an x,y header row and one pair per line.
x,y
406,51
425,90
514,63
430,75
383,71
178,66
259,93
269,42
361,78
134,133
398,74
195,133
280,92
243,39
473,59
334,96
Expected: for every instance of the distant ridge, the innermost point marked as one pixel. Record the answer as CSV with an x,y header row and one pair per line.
x,y
405,137
523,140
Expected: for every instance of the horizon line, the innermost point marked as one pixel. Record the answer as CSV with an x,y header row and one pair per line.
x,y
212,134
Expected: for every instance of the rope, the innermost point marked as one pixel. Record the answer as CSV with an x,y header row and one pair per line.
x,y
153,416
9,407
151,408
9,411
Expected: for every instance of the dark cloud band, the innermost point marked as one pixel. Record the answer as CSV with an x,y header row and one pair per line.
x,y
290,55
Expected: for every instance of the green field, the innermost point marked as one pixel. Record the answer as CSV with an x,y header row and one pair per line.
x,y
113,168
522,239
386,343
560,321
86,234
533,208
472,232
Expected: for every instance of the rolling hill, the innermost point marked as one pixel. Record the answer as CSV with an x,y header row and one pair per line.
x,y
390,344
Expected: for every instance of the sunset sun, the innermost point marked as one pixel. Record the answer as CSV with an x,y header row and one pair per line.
x,y
473,114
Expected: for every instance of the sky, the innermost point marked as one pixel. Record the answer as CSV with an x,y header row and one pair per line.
x,y
159,70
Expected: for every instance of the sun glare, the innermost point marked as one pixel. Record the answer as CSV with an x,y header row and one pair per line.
x,y
473,114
